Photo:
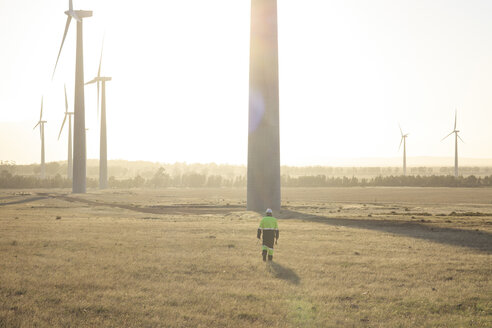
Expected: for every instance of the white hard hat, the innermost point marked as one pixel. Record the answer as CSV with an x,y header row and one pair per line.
x,y
269,211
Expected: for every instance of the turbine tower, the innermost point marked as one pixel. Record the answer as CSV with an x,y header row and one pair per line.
x,y
404,141
103,146
69,114
41,124
263,138
456,136
79,152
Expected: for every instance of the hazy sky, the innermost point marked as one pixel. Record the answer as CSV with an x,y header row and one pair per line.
x,y
349,72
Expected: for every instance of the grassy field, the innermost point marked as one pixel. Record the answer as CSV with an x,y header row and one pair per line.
x,y
354,257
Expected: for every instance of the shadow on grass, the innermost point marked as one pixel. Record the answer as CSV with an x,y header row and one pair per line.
x,y
284,273
22,201
478,240
191,209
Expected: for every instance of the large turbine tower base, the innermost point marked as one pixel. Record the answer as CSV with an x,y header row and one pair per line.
x,y
263,139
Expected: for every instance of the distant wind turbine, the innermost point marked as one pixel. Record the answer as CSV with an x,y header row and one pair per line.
x,y
41,124
456,136
69,114
79,140
404,141
103,148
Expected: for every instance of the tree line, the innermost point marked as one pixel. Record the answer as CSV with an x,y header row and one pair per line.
x,y
162,179
121,169
388,181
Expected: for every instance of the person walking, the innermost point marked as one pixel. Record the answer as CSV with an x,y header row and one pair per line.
x,y
269,228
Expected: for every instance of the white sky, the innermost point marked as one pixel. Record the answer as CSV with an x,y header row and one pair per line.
x,y
349,72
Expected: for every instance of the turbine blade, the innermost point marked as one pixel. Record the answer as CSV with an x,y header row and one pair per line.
x,y
36,125
72,13
447,136
66,101
63,124
41,114
100,60
69,18
460,138
455,118
401,141
91,81
400,129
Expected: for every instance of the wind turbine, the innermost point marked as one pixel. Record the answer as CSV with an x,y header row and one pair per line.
x,y
404,141
69,114
79,152
456,136
103,145
41,124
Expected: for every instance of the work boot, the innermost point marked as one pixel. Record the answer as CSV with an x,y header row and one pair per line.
x,y
270,257
264,253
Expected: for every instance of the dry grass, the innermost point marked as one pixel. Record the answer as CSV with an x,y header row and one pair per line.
x,y
189,258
